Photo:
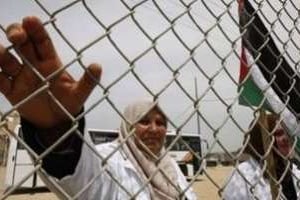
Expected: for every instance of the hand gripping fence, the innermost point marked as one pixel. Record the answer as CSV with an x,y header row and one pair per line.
x,y
219,70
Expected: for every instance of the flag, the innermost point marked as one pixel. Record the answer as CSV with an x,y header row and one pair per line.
x,y
250,94
268,66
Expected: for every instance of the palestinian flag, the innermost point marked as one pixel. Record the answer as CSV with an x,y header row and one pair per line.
x,y
270,57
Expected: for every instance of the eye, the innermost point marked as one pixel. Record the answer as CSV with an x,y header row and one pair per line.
x,y
161,122
144,121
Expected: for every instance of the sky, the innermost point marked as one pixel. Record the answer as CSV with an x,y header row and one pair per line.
x,y
213,68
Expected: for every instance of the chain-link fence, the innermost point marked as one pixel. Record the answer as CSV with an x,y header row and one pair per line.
x,y
217,68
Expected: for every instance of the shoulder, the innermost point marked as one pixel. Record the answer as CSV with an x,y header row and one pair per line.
x,y
245,171
116,157
108,149
248,165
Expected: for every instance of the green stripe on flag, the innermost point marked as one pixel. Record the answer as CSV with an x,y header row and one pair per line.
x,y
251,95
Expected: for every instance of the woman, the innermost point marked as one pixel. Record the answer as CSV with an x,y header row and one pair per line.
x,y
249,181
134,167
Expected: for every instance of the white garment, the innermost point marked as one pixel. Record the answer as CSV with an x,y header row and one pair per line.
x,y
256,186
104,187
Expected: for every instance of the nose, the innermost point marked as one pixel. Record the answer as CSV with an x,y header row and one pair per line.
x,y
284,138
153,127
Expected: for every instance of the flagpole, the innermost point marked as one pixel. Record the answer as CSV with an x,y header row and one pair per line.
x,y
198,122
271,168
198,117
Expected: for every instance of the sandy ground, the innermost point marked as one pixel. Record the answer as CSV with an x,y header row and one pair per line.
x,y
204,187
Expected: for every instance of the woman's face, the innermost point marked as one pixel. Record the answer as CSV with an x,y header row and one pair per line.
x,y
282,141
151,131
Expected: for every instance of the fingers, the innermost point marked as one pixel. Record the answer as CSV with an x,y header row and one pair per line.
x,y
19,38
8,63
31,40
88,81
39,37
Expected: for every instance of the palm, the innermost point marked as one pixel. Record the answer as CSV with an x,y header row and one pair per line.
x,y
43,104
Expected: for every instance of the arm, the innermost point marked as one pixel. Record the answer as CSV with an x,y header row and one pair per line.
x,y
66,155
41,117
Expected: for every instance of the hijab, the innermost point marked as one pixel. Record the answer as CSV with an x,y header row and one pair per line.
x,y
158,172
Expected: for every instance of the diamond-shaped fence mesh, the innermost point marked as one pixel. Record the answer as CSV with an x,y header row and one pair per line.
x,y
224,75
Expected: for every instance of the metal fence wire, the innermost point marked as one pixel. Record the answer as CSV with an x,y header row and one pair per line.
x,y
223,71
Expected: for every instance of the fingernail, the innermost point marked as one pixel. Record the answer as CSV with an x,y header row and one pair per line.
x,y
15,34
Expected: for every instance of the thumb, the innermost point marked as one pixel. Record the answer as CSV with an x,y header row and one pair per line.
x,y
88,81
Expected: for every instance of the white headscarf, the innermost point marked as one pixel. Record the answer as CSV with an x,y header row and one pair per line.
x,y
162,185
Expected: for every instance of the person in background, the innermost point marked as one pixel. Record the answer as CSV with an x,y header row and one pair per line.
x,y
249,181
133,167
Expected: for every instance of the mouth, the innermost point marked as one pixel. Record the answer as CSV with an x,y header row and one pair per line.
x,y
284,149
152,144
284,146
150,141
